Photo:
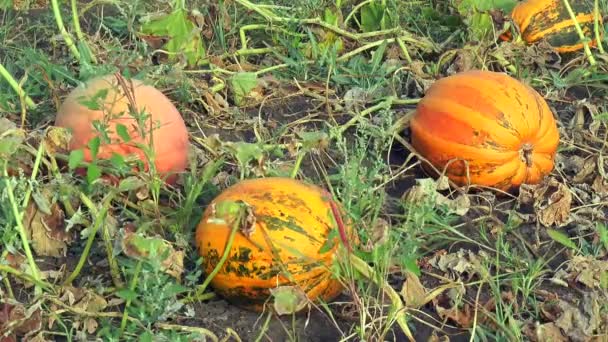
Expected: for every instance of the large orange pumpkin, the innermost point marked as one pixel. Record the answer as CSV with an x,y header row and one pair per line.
x,y
292,218
170,136
488,129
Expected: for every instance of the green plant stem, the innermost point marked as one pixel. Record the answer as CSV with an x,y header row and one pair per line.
x,y
79,34
362,267
596,26
385,104
354,10
580,33
296,167
236,226
66,36
132,286
99,220
198,330
406,54
269,16
27,277
371,45
16,87
21,230
114,270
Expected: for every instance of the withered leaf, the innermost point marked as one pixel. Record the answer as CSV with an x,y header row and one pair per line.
x,y
459,263
551,200
413,292
46,231
153,249
288,299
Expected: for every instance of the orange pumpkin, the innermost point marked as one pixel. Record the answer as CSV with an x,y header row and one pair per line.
x,y
170,136
550,20
486,128
288,243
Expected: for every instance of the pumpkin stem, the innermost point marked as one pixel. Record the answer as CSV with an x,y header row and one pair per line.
x,y
526,153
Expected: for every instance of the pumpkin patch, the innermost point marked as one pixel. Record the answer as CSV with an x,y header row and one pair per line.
x,y
285,242
486,128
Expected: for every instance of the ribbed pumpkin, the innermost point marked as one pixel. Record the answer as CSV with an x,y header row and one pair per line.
x,y
550,20
502,129
292,218
165,124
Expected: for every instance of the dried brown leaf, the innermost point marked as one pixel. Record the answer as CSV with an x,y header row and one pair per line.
x,y
586,270
413,292
548,332
47,231
600,186
140,247
585,171
459,263
579,323
551,200
378,234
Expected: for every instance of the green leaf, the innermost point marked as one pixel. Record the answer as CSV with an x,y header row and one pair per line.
x,y
246,152
130,183
6,4
126,294
476,15
94,146
372,15
314,139
242,84
185,37
76,157
93,102
123,132
561,238
9,145
93,173
118,161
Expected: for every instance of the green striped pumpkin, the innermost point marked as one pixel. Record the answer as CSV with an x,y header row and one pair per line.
x,y
551,21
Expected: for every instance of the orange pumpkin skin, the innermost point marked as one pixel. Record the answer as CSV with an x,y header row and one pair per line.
x,y
291,216
169,132
550,20
501,128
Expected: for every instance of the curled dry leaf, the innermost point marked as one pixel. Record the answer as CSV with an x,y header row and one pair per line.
x,y
57,140
378,235
413,292
46,226
288,299
16,320
551,201
579,323
425,190
586,270
140,247
459,263
545,332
